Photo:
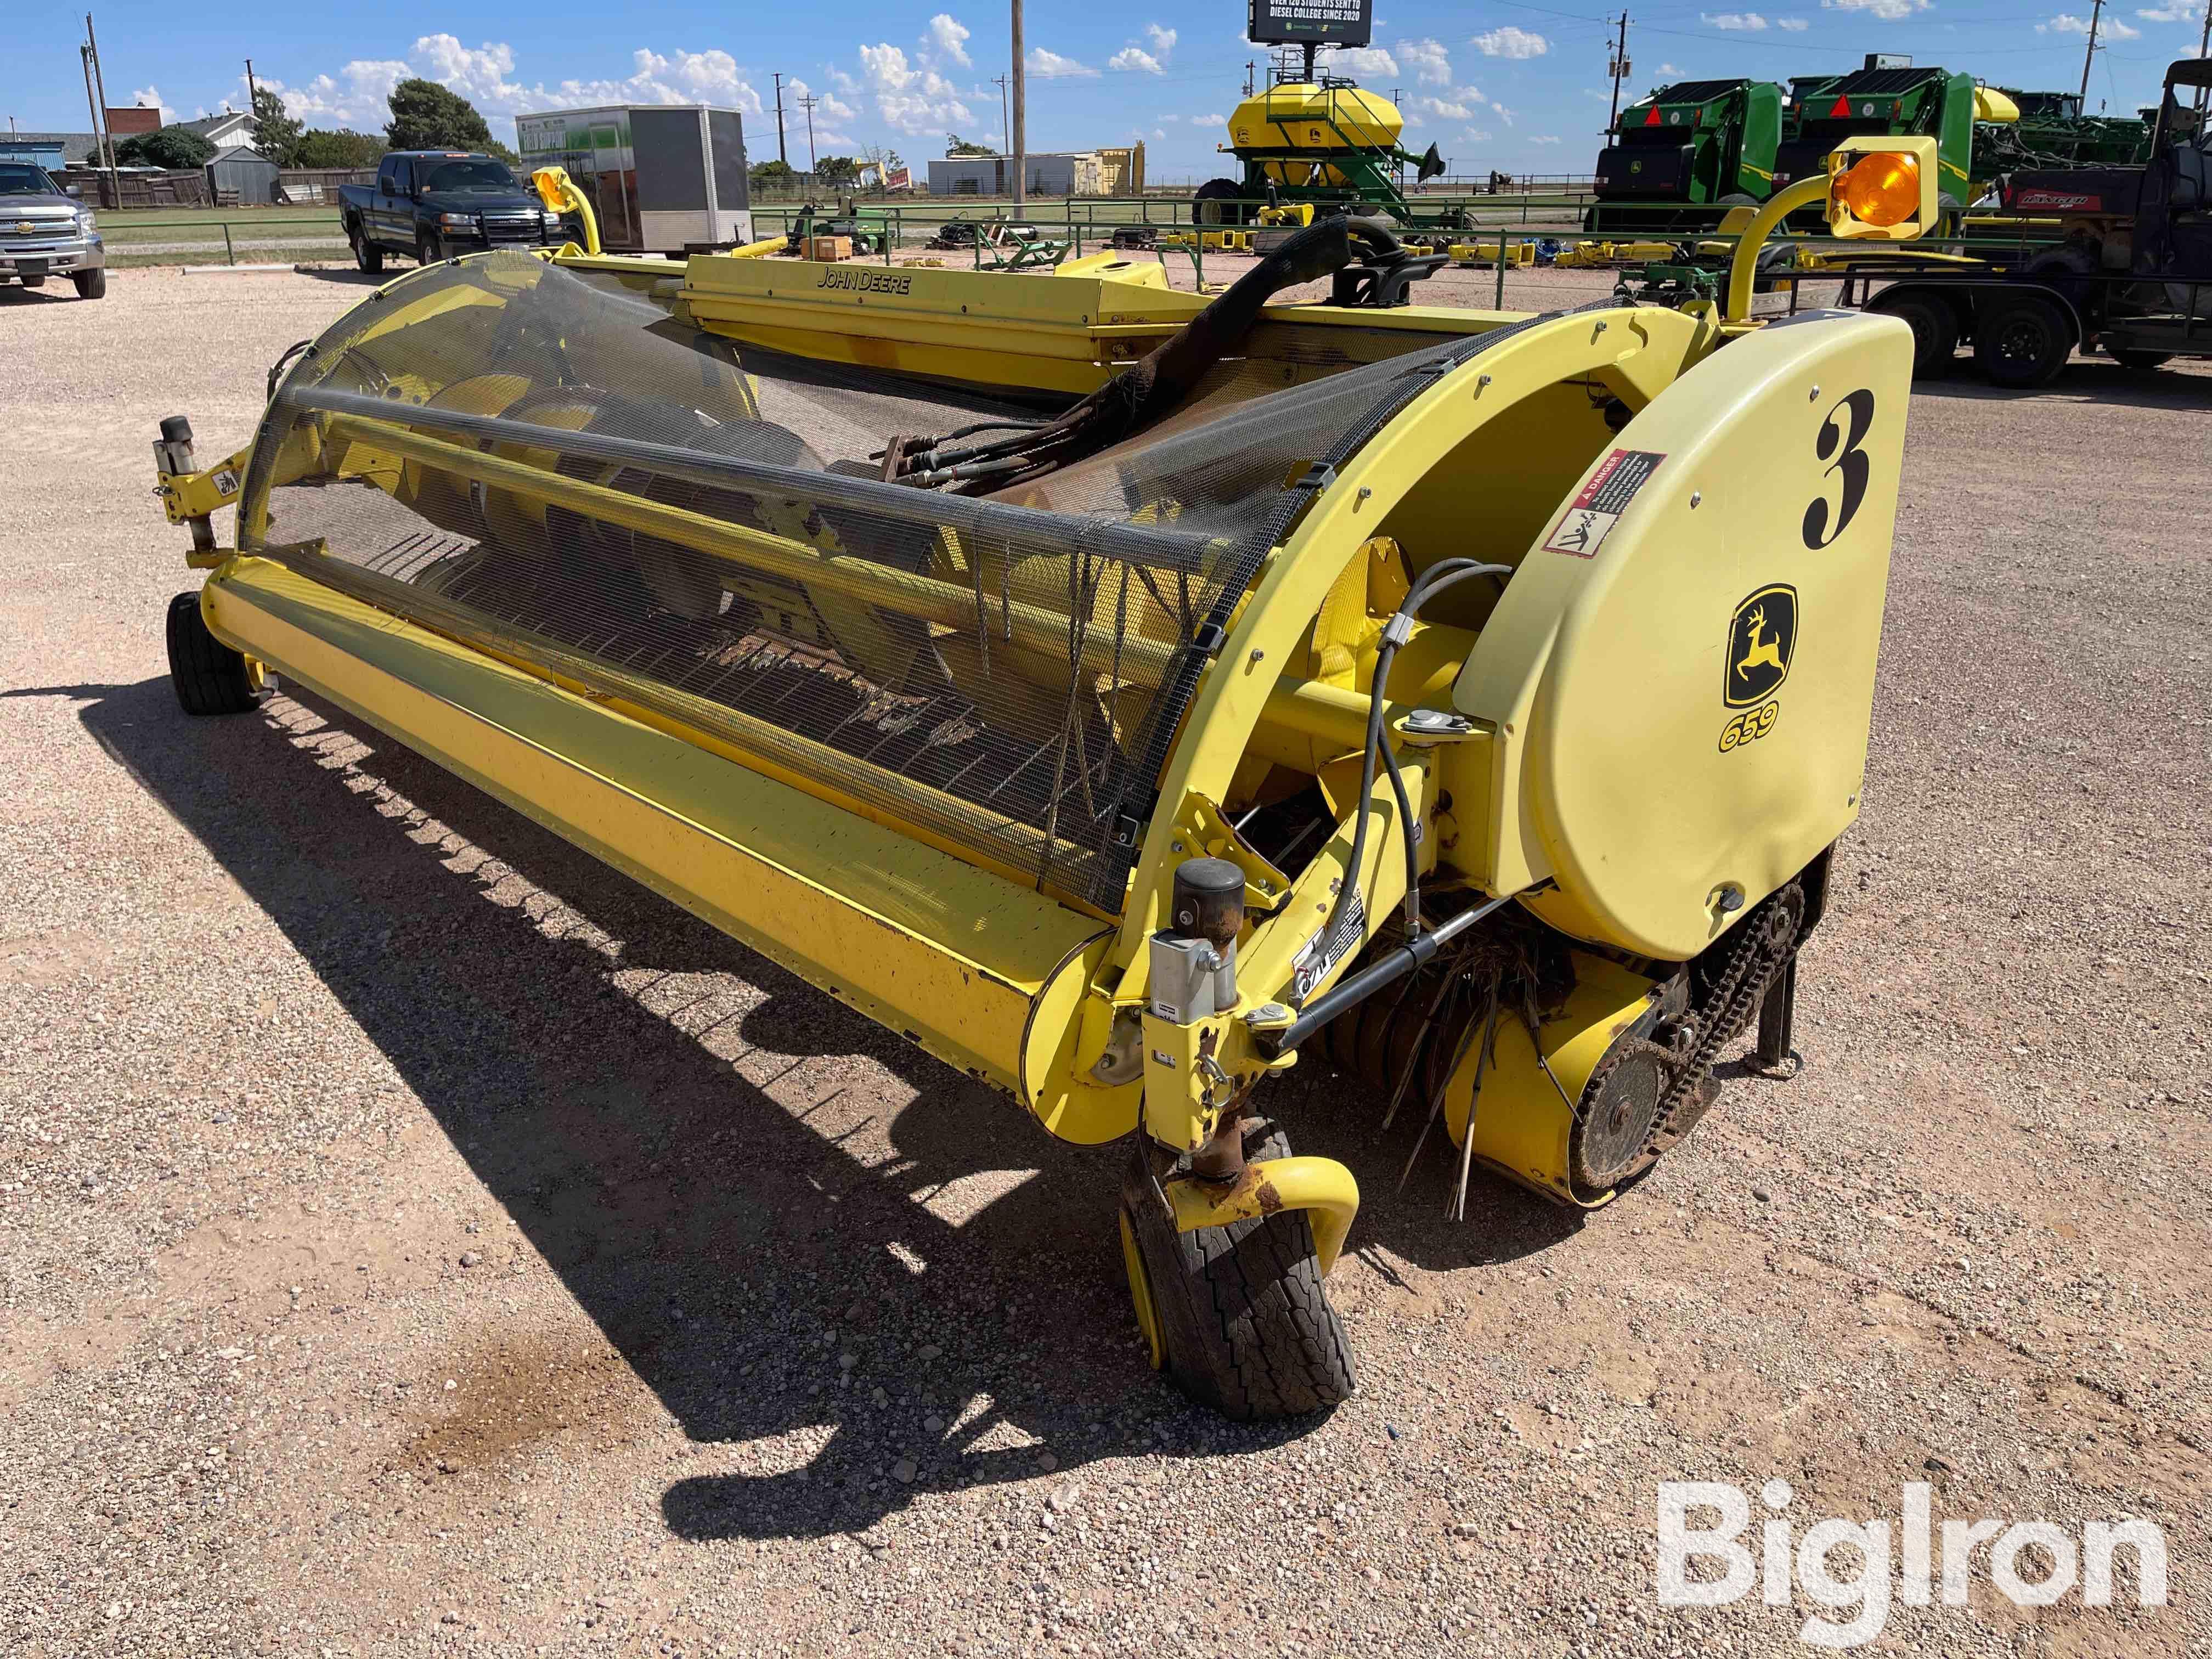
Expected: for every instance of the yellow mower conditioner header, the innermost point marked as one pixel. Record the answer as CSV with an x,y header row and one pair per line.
x,y
1126,697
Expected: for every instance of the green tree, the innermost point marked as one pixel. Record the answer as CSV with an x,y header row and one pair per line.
x,y
427,116
956,145
320,147
174,148
275,134
836,169
771,173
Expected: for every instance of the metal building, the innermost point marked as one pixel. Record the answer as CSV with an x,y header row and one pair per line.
x,y
247,172
1070,172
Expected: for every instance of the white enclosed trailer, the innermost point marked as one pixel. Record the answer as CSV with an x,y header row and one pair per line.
x,y
662,178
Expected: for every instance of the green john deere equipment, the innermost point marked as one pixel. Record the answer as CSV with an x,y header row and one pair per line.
x,y
1884,100
1682,156
2053,132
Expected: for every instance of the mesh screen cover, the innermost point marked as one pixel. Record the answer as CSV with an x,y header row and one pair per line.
x,y
560,473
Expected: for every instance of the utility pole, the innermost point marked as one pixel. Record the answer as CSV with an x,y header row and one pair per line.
x,y
2096,11
91,106
1620,69
807,103
92,45
2204,50
1006,131
1020,140
1250,67
779,153
251,95
1398,169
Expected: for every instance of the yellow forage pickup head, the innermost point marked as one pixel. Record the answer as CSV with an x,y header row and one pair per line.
x,y
1882,187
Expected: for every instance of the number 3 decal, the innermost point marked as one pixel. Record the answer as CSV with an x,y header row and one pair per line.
x,y
1853,462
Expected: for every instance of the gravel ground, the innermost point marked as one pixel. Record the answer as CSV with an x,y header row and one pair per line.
x,y
416,1238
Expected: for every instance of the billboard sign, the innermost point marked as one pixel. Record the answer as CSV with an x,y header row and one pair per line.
x,y
1312,22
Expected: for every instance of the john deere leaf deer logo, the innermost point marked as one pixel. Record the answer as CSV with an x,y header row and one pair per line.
x,y
1761,638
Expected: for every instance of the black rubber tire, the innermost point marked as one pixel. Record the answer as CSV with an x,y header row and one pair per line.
x,y
1244,1324
1736,199
2022,340
366,255
1934,330
1214,202
91,284
430,249
209,677
2141,361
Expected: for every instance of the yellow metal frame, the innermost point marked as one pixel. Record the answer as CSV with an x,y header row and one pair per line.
x,y
1030,994
1322,1187
958,960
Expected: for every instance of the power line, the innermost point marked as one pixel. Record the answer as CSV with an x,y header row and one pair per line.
x,y
808,101
2096,12
1619,68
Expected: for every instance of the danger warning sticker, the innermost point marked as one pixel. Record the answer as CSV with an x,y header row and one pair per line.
x,y
1592,514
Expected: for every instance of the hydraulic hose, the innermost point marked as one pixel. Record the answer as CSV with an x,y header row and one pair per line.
x,y
1437,577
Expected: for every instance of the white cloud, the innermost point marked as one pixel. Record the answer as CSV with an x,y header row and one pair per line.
x,y
355,97
1732,20
1502,114
1159,132
1447,109
2066,23
1131,58
1364,60
1795,25
831,108
1428,59
1474,137
1209,120
910,97
1163,40
950,36
1669,68
1511,42
1548,138
2181,11
1051,66
1889,11
841,81
150,98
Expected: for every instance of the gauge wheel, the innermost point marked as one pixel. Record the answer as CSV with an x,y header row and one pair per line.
x,y
1236,1316
2022,340
208,675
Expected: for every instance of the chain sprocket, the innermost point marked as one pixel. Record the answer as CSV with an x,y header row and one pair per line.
x,y
1764,941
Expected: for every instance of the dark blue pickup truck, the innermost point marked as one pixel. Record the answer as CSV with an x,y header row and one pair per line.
x,y
430,205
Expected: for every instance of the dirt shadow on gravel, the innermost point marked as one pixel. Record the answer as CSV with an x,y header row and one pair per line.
x,y
57,292
2088,381
560,1023
351,276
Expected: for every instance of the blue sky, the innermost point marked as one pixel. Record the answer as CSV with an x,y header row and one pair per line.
x,y
1493,84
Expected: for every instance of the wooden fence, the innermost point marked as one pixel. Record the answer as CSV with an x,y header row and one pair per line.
x,y
186,188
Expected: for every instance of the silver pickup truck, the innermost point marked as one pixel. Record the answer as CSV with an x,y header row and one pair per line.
x,y
45,231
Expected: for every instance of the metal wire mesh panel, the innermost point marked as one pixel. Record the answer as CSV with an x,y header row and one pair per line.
x,y
567,476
